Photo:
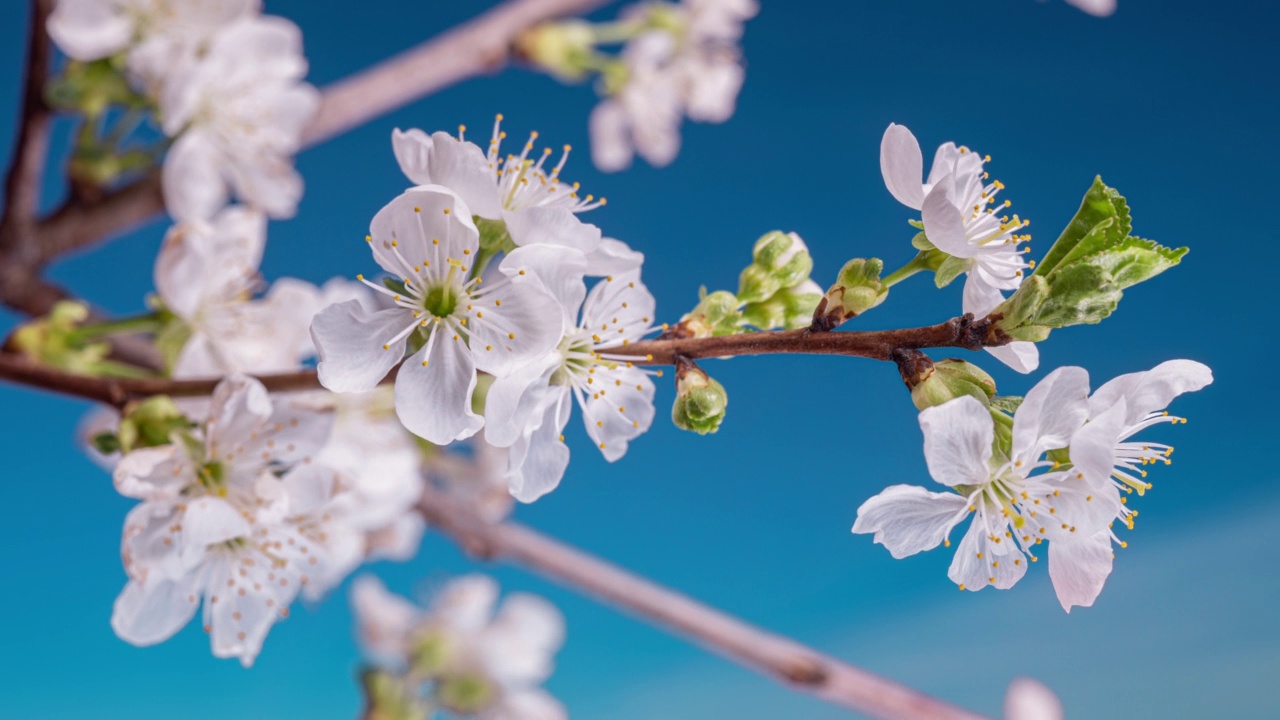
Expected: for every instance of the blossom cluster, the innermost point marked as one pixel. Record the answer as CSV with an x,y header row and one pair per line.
x,y
1059,470
527,323
473,661
225,84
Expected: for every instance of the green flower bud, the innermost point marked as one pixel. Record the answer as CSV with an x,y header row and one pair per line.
x,y
789,308
52,340
700,401
388,697
150,423
779,260
563,49
465,694
857,289
429,654
950,379
716,314
91,87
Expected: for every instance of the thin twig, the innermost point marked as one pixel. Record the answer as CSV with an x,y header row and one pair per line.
x,y
480,46
22,186
795,665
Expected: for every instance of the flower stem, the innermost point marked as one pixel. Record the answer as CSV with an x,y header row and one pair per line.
x,y
919,263
149,322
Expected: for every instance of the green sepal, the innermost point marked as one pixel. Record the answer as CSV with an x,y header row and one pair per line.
x,y
170,340
1006,403
921,242
949,270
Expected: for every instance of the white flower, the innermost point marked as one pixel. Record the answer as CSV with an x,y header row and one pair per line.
x,y
532,201
1013,510
161,36
528,410
1104,453
1099,8
500,658
644,116
426,238
206,274
1027,699
227,518
959,215
377,474
238,115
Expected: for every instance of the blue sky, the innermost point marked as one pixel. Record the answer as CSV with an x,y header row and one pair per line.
x,y
1171,102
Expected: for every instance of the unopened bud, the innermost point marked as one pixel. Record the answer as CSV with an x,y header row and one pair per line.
x,y
700,401
561,48
950,379
52,340
716,314
789,308
150,423
779,260
857,289
465,694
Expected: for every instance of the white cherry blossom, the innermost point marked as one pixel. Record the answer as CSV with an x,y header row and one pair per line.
x,y
1097,8
426,239
644,116
959,213
227,518
536,206
238,116
508,653
1014,508
528,410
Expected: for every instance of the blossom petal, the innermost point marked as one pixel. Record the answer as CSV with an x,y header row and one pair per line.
x,y
521,323
466,603
522,639
151,611
384,620
434,388
1021,356
613,257
513,400
239,406
89,30
1093,446
156,473
619,308
354,345
1153,390
944,222
1050,413
907,519
902,166
462,167
1079,568
413,153
193,186
210,521
957,441
619,409
551,226
404,232
560,270
525,704
977,565
539,458
1027,699
611,148
980,297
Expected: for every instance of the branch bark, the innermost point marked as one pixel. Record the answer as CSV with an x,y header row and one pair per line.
x,y
479,46
787,661
18,246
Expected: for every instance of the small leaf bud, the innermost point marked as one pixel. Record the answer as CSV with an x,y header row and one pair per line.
x,y
950,379
779,260
700,401
857,289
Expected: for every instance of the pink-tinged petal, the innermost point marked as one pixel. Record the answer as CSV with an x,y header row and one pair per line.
x,y
1021,356
150,612
354,345
413,153
560,270
957,441
539,458
192,184
551,226
1050,413
1027,699
944,222
521,323
944,164
610,127
434,388
403,234
1079,568
462,167
1093,446
1001,570
902,166
907,519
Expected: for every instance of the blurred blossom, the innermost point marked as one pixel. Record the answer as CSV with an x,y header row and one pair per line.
x,y
1027,699
1100,8
474,475
471,660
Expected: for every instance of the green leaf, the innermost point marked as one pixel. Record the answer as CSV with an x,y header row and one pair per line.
x,y
1082,293
921,242
1006,403
1100,203
170,341
1135,260
949,270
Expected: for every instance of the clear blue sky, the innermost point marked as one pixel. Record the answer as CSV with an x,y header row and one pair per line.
x,y
1172,102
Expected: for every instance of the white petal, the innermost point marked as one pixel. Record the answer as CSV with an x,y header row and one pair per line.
x,y
522,640
1027,699
525,704
907,519
1098,8
158,473
619,303
551,226
1001,566
1093,446
350,343
462,167
192,181
522,323
944,222
89,29
150,612
384,620
619,409
239,406
514,401
611,149
1153,390
308,487
466,603
1021,356
539,458
957,441
413,153
412,222
433,391
612,257
980,297
1079,568
902,165
560,270
1050,413
210,521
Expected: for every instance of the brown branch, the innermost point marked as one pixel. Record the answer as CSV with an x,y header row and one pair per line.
x,y
479,46
791,663
22,186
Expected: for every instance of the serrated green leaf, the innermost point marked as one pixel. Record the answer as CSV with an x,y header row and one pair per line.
x,y
921,242
949,270
1081,294
1100,203
1135,260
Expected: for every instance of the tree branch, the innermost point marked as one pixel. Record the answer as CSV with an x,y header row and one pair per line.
x,y
791,663
18,248
479,46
